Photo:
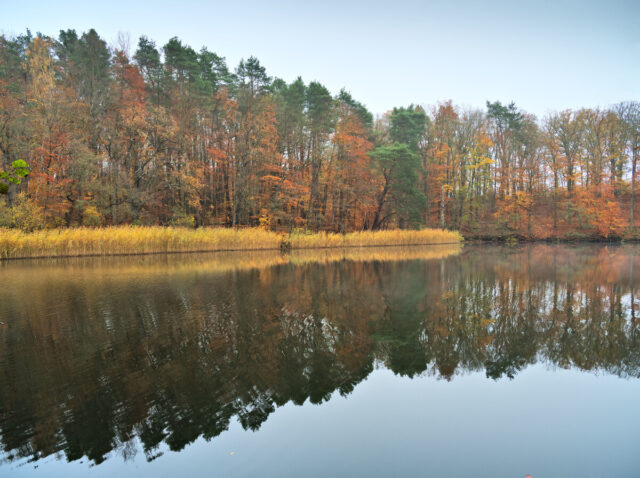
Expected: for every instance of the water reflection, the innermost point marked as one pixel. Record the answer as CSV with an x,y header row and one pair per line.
x,y
97,353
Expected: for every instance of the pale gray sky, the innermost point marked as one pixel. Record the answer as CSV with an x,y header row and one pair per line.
x,y
544,55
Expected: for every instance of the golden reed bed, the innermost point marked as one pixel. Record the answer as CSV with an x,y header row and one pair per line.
x,y
126,240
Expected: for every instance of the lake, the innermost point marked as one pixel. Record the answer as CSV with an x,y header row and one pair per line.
x,y
443,361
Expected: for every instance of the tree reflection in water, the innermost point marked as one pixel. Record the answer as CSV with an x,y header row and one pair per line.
x,y
96,353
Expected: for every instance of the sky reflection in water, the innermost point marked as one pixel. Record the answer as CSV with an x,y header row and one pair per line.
x,y
408,351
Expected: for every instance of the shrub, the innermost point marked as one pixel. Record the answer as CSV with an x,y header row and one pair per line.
x,y
183,220
26,215
91,217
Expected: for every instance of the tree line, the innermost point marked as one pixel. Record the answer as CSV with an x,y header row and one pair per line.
x,y
171,135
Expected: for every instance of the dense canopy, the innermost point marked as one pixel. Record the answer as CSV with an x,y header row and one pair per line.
x,y
171,135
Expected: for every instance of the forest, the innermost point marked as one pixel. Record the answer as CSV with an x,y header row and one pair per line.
x,y
169,135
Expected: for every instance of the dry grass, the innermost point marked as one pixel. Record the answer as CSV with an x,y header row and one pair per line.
x,y
144,240
395,237
131,240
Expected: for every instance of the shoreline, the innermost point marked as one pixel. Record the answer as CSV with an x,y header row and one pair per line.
x,y
551,240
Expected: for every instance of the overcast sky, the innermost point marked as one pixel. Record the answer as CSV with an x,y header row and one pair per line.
x,y
544,55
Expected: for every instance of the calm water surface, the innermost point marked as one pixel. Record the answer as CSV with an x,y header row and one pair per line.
x,y
486,361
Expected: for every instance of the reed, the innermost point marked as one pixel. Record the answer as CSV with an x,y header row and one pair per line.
x,y
123,240
395,237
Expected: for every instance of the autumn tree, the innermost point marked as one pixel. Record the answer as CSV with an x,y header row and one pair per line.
x,y
629,114
350,174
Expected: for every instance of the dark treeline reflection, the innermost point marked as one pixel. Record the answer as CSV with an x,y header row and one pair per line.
x,y
90,361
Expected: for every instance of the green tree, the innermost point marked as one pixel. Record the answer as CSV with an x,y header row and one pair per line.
x,y
408,126
13,175
399,197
